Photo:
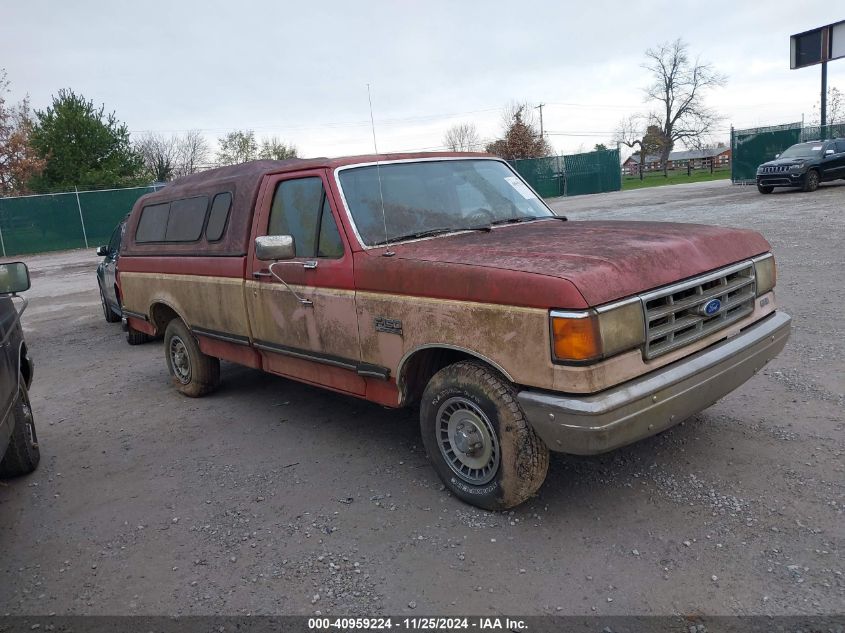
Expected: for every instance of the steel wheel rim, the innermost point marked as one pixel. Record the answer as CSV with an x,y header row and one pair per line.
x,y
179,360
467,441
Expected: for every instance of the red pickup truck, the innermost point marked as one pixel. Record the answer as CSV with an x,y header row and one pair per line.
x,y
444,280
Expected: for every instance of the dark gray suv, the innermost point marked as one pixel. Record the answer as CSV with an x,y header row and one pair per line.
x,y
19,453
803,165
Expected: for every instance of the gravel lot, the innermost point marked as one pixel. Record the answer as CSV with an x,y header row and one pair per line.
x,y
273,497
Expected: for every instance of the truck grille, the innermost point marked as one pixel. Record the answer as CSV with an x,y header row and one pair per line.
x,y
775,169
675,315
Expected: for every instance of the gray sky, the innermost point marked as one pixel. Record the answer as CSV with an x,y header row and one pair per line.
x,y
299,70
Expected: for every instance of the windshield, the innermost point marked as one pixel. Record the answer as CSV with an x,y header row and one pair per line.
x,y
803,150
430,197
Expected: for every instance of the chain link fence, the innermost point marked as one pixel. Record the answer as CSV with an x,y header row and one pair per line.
x,y
572,175
754,146
62,221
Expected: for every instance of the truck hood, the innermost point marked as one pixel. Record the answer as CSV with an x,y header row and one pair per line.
x,y
604,261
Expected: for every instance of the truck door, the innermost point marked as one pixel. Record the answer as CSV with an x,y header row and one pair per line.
x,y
306,325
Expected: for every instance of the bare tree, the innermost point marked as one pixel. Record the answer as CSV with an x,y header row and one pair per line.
x,y
462,137
835,108
160,155
193,153
635,132
275,149
678,89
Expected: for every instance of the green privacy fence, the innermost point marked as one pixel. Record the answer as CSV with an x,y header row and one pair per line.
x,y
61,221
572,175
751,147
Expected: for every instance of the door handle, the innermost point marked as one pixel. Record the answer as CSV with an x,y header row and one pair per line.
x,y
310,265
262,273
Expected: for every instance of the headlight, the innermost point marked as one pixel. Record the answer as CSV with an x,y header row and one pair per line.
x,y
590,335
766,273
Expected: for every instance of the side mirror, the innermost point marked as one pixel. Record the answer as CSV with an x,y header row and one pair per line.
x,y
102,251
14,278
777,155
828,152
275,247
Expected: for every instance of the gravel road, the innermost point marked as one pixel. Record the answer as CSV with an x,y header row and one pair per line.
x,y
272,497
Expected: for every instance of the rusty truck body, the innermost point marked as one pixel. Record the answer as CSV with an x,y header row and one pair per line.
x,y
443,280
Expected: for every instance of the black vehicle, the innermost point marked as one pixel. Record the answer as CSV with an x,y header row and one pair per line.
x,y
19,453
803,165
107,275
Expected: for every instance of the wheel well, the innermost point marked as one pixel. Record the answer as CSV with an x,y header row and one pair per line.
x,y
160,315
423,364
24,366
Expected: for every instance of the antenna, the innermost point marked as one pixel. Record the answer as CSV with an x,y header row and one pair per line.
x,y
388,252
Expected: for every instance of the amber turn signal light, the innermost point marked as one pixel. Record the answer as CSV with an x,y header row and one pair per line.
x,y
575,338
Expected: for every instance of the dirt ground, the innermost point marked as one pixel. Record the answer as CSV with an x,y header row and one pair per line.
x,y
270,497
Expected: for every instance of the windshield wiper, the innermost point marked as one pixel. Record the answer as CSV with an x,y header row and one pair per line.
x,y
528,218
416,235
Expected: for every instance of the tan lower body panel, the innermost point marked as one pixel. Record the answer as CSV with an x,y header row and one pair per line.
x,y
351,325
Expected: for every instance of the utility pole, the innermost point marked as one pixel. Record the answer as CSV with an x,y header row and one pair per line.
x,y
540,108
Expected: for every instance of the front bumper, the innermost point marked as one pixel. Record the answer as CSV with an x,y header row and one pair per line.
x,y
781,179
588,425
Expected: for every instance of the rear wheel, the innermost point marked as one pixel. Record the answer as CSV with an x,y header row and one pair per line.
x,y
478,439
811,180
765,188
195,374
22,455
110,316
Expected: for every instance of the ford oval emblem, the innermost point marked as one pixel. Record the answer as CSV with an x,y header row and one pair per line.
x,y
711,307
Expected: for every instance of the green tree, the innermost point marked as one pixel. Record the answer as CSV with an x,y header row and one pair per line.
x,y
521,138
237,147
275,149
600,147
83,146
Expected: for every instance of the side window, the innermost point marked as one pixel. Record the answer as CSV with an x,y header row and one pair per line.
x,y
187,217
153,223
218,216
114,243
330,244
840,147
301,209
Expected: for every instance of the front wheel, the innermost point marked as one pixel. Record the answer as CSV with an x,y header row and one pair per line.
x,y
478,439
811,180
195,374
765,188
22,454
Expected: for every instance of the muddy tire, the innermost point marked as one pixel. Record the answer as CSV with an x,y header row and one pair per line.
x,y
134,337
22,454
765,188
811,180
109,315
195,374
477,437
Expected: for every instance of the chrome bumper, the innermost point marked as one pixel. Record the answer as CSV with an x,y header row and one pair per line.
x,y
587,425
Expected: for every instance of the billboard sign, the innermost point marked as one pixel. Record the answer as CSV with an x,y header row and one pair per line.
x,y
817,45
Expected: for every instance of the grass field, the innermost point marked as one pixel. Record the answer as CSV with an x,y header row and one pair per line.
x,y
676,177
